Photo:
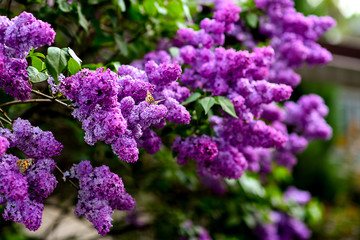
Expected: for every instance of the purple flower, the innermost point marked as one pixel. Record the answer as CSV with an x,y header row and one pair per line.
x,y
101,191
25,183
4,145
296,195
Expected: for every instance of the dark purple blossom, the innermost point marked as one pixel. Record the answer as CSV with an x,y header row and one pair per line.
x,y
101,192
25,183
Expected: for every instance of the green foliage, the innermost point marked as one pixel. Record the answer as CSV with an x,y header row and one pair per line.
x,y
56,61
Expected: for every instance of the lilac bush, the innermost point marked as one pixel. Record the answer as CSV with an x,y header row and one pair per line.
x,y
230,110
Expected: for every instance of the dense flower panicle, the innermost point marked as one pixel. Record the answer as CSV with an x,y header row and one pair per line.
x,y
282,227
34,142
163,78
272,112
162,74
150,141
16,39
27,212
24,32
101,191
118,109
240,76
14,78
24,187
4,145
201,149
307,116
13,184
293,37
4,24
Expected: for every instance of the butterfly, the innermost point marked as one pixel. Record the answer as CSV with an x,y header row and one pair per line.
x,y
150,99
24,164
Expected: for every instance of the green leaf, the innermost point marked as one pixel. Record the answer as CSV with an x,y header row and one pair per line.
x,y
160,9
74,56
64,6
82,20
93,66
56,61
252,186
199,109
35,76
149,7
186,10
73,66
174,51
121,5
207,103
226,105
35,54
120,42
252,19
36,63
191,99
116,65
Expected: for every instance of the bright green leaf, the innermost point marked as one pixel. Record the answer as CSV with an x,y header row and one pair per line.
x,y
160,9
116,65
174,51
207,103
56,61
252,186
74,56
121,5
36,63
82,20
35,76
64,6
226,105
191,99
149,7
73,66
252,19
186,11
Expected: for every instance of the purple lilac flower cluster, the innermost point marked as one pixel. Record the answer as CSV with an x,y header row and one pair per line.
x,y
293,37
117,109
16,39
193,231
306,117
240,76
25,183
283,226
101,191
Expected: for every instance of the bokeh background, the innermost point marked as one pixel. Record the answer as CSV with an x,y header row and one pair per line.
x,y
119,31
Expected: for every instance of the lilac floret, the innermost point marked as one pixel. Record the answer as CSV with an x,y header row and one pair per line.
x,y
296,195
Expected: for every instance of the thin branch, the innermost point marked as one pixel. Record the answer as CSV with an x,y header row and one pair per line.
x,y
71,182
3,112
5,120
52,98
28,101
